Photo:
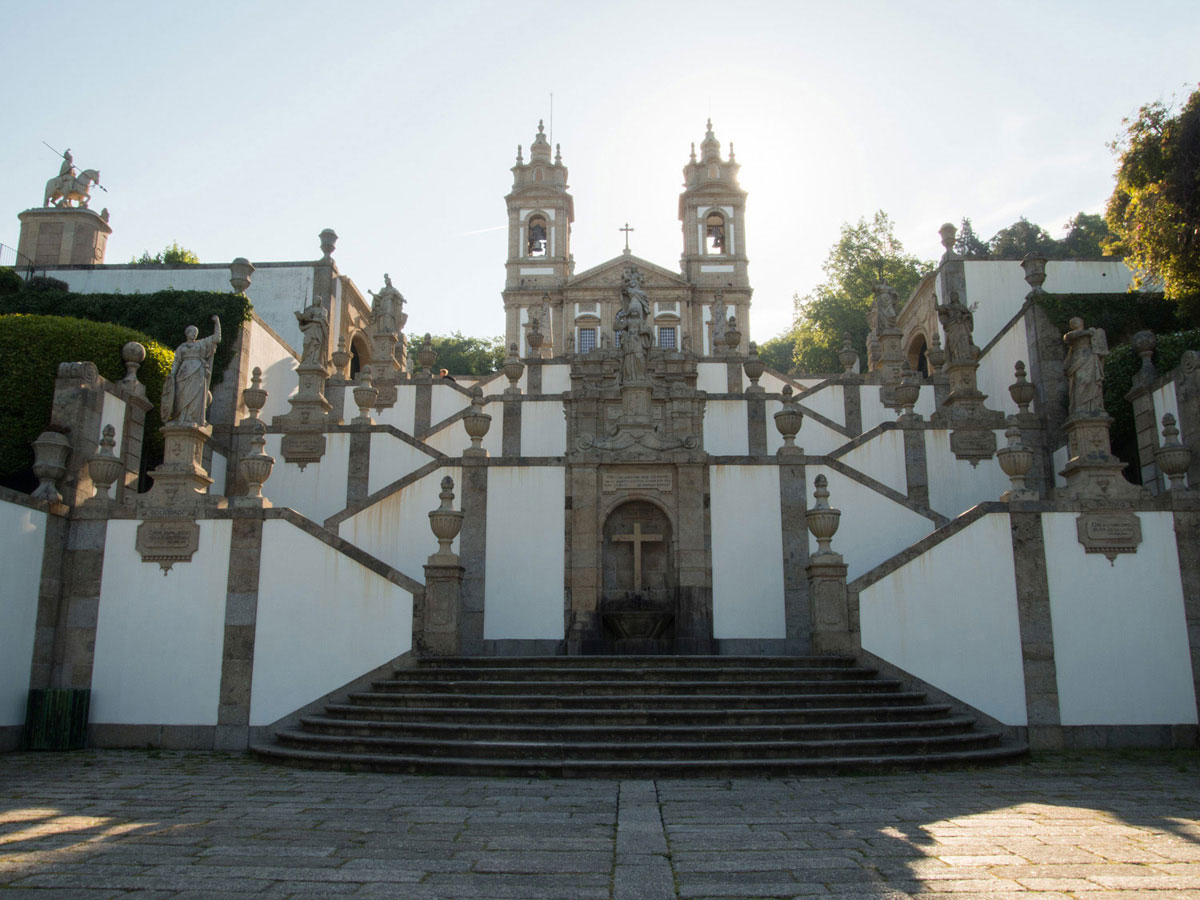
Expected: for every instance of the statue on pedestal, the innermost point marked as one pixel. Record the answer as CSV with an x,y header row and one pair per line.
x,y
386,308
886,301
314,325
958,323
1084,365
718,321
185,392
631,323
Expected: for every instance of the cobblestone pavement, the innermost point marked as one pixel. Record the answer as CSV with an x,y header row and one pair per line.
x,y
93,825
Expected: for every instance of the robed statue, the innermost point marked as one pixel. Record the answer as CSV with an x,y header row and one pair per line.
x,y
314,325
387,308
1084,365
185,393
632,324
886,301
958,323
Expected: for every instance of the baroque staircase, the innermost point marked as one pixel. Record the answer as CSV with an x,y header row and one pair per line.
x,y
636,716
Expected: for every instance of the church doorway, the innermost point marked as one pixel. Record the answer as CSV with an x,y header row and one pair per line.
x,y
638,580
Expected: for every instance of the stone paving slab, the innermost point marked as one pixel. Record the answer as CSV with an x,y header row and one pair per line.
x,y
174,826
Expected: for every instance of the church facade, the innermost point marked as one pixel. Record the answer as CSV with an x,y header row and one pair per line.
x,y
634,480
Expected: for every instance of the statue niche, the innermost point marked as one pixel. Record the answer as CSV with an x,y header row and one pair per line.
x,y
638,580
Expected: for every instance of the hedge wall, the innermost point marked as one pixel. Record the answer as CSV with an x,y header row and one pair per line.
x,y
163,315
31,347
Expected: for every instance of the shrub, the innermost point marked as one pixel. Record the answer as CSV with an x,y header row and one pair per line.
x,y
10,281
31,347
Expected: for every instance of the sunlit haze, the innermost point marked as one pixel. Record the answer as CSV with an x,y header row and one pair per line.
x,y
244,129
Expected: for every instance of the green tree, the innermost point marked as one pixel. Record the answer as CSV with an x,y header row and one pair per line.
x,y
777,352
461,355
1087,236
1155,208
864,254
968,244
1022,237
173,255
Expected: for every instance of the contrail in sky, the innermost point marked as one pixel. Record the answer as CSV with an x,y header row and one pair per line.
x,y
481,230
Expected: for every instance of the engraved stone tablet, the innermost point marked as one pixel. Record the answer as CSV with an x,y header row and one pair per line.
x,y
637,481
1109,533
167,541
303,447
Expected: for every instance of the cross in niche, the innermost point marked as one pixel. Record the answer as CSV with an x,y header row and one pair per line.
x,y
637,539
626,229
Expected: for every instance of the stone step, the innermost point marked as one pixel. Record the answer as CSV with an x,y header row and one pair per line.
x,y
578,687
638,701
696,732
659,662
590,715
634,673
633,750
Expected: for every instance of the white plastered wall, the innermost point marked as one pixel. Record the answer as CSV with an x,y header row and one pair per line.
x,y
402,414
747,552
445,402
217,468
712,377
391,459
996,292
317,491
318,607
525,558
882,458
543,429
453,439
396,529
964,640
814,438
1081,276
873,527
1120,632
24,538
997,365
113,413
954,484
159,639
278,367
725,428
829,401
873,412
1165,401
555,379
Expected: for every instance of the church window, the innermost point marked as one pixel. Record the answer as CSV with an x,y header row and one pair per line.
x,y
666,337
587,340
537,242
714,233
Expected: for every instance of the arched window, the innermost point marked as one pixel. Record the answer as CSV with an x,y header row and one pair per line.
x,y
714,234
537,236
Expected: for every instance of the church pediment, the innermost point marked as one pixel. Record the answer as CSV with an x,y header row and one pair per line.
x,y
609,274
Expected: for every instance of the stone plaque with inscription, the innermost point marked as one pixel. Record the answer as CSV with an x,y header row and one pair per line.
x,y
167,541
611,482
1109,532
303,447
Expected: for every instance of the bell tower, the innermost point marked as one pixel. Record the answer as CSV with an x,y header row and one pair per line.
x,y
712,209
540,213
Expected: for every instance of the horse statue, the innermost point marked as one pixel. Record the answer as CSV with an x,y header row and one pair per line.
x,y
67,188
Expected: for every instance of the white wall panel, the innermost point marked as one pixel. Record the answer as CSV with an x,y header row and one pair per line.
x,y
391,459
317,491
725,428
747,552
882,458
24,535
543,429
954,484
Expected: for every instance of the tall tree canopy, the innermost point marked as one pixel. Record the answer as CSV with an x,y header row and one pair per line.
x,y
461,355
968,244
864,254
1155,208
1019,238
170,256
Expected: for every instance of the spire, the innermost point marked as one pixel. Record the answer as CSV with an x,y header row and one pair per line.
x,y
520,158
539,150
710,148
693,157
558,154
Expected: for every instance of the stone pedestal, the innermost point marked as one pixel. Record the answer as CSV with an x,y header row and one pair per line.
x,y
304,427
829,604
68,236
891,364
386,371
1092,472
972,436
437,632
180,483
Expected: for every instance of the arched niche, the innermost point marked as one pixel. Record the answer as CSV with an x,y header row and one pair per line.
x,y
915,356
638,553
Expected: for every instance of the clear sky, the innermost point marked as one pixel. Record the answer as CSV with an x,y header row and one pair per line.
x,y
243,129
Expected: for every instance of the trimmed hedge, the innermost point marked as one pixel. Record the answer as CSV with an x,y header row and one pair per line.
x,y
10,281
162,315
31,347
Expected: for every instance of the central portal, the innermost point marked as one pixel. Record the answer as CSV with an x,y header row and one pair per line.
x,y
638,594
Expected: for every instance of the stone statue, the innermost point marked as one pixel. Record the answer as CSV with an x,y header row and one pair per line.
x,y
67,169
185,393
67,187
634,292
1084,365
315,327
958,323
886,301
718,320
632,324
386,308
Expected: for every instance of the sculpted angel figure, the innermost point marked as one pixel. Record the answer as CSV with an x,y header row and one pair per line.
x,y
1084,365
185,393
315,327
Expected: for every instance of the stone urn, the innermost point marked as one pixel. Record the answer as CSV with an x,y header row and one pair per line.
x,y
1143,344
426,355
50,452
906,394
513,369
341,358
328,239
535,338
254,397
365,396
847,356
240,271
754,367
104,467
255,467
1015,461
445,521
1034,265
788,420
733,337
477,423
1021,390
821,520
936,355
1173,458
133,354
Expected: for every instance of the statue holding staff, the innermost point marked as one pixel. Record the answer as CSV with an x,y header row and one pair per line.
x,y
185,393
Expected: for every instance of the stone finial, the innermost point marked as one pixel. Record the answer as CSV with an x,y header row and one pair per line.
x,y
341,357
948,235
446,522
1034,265
255,467
558,154
104,467
254,397
513,368
847,356
821,519
328,242
50,451
754,367
1015,461
1173,458
1143,344
426,355
935,354
240,271
788,421
906,395
1021,391
366,395
133,354
520,156
477,423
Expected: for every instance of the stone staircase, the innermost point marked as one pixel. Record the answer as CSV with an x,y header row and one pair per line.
x,y
636,716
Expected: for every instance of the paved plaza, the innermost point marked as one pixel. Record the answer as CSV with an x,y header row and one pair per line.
x,y
94,825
